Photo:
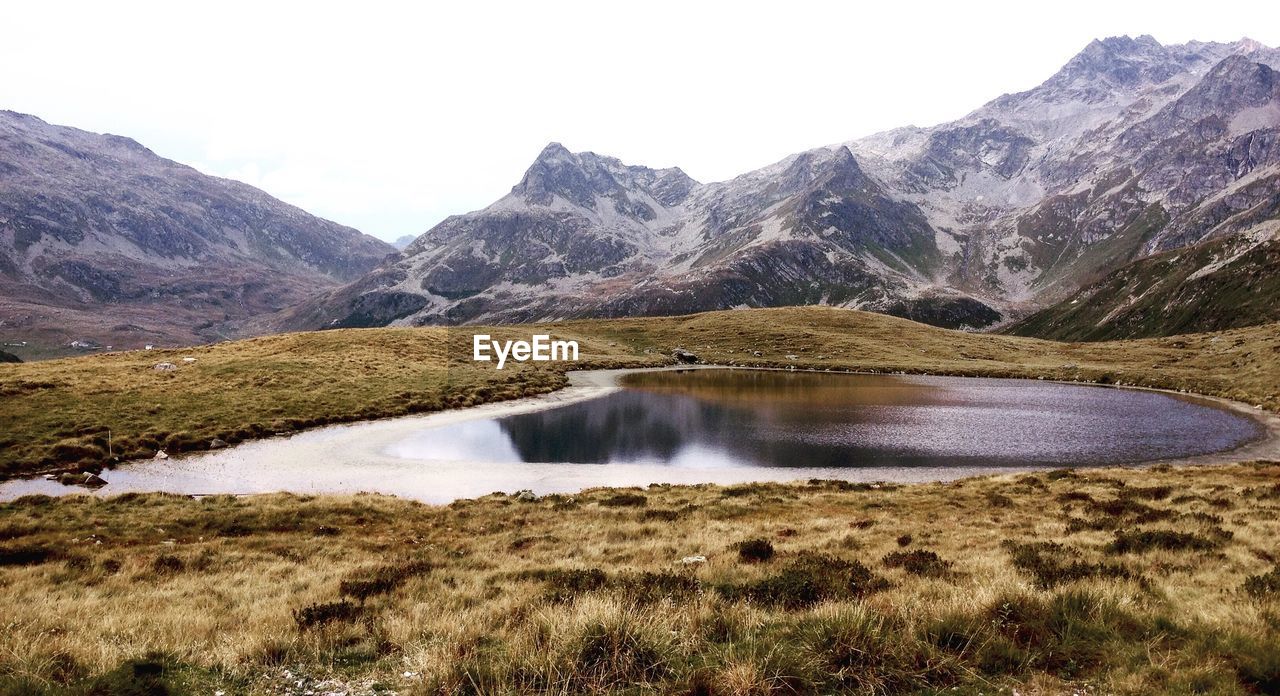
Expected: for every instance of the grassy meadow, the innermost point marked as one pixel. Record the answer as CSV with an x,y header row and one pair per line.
x,y
83,413
1115,581
1101,581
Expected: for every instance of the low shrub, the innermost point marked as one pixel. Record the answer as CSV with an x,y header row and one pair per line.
x,y
564,585
754,550
919,562
321,614
625,500
167,564
999,500
1142,541
1052,564
1263,584
809,579
27,554
382,579
650,588
1147,492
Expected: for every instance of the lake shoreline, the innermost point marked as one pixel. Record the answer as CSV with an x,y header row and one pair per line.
x,y
377,434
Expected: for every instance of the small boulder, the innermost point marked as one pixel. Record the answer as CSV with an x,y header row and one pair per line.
x,y
684,356
217,443
161,454
524,496
693,560
165,367
92,480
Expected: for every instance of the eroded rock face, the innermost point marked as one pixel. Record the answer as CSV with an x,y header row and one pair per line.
x,y
1132,148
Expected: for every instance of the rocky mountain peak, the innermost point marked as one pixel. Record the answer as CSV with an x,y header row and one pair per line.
x,y
582,176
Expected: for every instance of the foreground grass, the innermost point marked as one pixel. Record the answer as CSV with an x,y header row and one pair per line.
x,y
1102,581
82,413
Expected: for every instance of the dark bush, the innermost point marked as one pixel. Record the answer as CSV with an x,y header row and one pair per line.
x,y
566,585
1264,584
650,588
1141,541
807,580
167,564
625,500
26,555
905,540
754,550
919,562
660,515
999,500
382,579
321,614
1052,564
1147,492
1074,497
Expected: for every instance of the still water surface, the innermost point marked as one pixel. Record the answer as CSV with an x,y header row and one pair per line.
x,y
717,426
715,418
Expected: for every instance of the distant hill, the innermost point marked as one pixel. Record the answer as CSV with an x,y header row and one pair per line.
x,y
104,242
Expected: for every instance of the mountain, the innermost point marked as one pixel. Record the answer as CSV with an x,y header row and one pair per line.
x,y
403,241
102,242
1132,149
1220,284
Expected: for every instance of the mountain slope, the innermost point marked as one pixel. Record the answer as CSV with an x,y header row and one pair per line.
x,y
1131,149
91,222
1221,284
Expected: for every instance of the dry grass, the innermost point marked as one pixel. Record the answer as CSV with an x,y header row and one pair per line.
x,y
570,594
56,415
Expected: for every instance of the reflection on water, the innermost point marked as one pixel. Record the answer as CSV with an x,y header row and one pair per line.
x,y
718,418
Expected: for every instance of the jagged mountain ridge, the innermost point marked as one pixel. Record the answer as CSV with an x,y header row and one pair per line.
x,y
93,222
1131,149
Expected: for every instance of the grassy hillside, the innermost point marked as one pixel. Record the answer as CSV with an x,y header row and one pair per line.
x,y
1170,294
1117,581
57,414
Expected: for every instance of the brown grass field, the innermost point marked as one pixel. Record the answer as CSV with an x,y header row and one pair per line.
x,y
1101,581
1117,581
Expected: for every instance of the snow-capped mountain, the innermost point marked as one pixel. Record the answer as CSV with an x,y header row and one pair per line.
x,y
1132,148
104,242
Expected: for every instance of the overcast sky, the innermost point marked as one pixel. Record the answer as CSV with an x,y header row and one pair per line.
x,y
388,118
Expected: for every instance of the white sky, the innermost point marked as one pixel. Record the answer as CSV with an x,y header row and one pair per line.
x,y
388,117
